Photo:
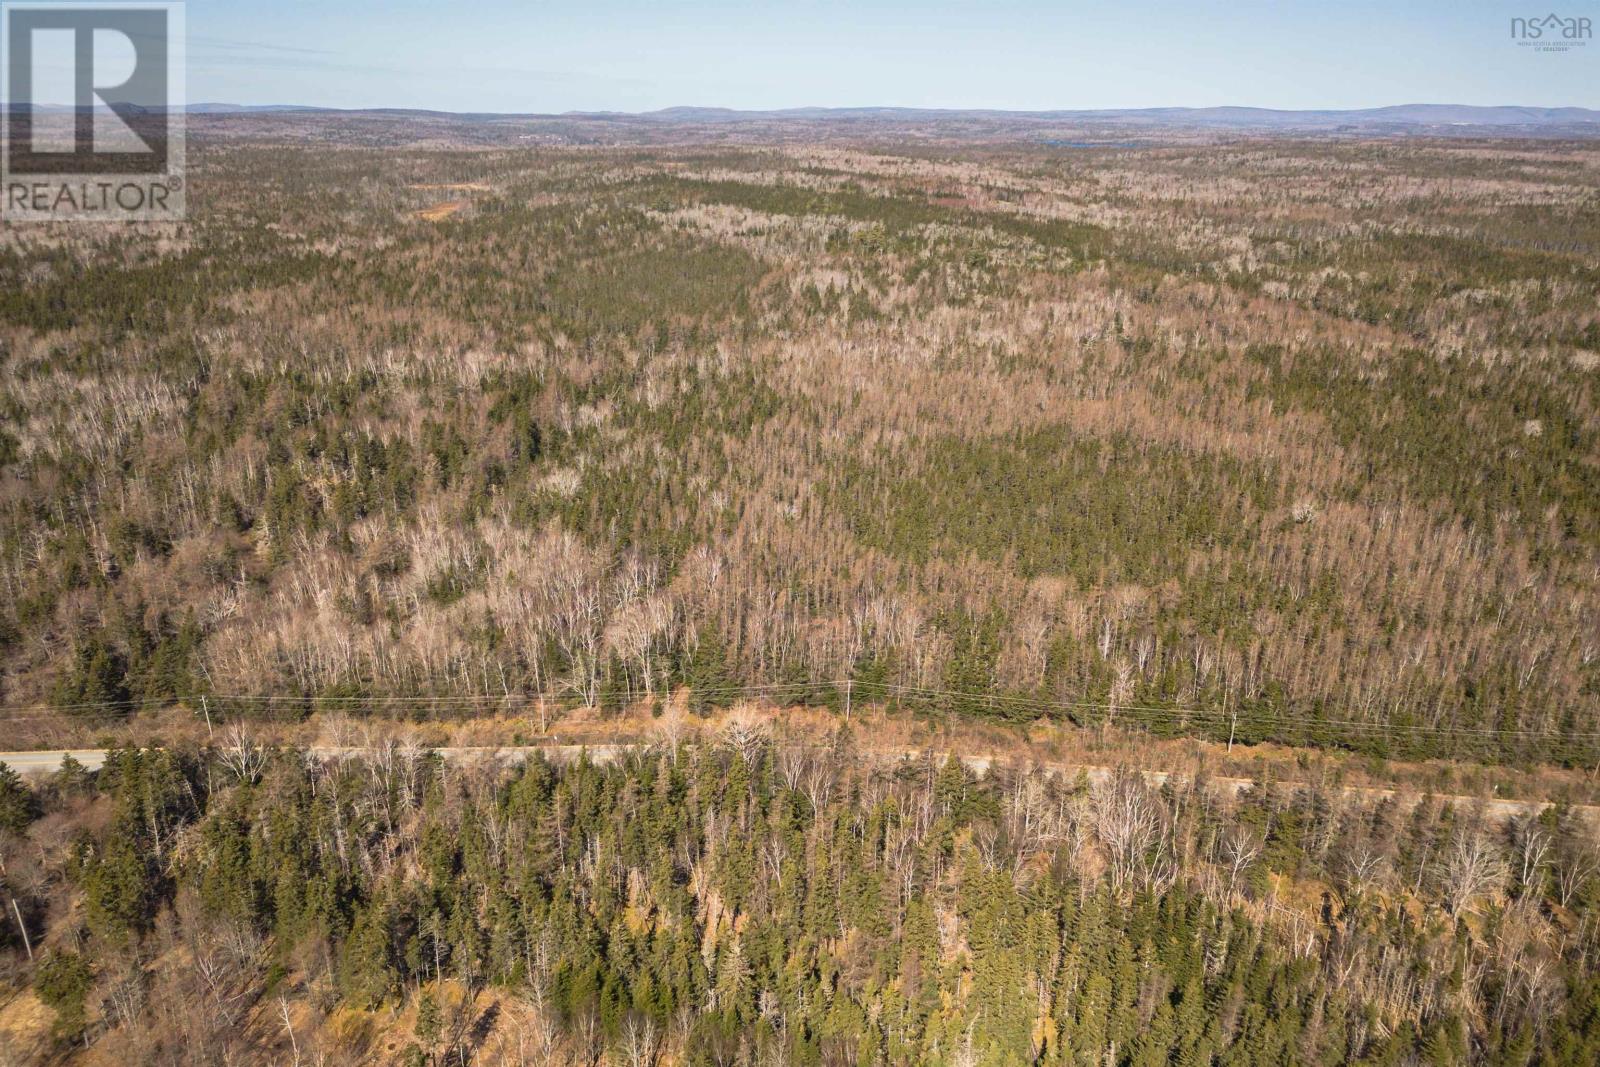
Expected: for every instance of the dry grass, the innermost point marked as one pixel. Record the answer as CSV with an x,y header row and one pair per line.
x,y
24,1029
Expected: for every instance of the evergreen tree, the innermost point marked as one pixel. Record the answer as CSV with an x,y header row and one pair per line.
x,y
18,805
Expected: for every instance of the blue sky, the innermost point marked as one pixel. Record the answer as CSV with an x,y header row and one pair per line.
x,y
556,55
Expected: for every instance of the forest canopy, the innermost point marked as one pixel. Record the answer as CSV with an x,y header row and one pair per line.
x,y
750,900
739,447
1293,442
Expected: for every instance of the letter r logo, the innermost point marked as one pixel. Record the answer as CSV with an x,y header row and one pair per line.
x,y
86,89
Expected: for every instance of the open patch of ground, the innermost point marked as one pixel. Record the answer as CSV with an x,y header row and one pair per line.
x,y
441,210
451,187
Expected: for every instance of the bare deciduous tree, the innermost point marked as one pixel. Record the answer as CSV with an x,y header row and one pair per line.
x,y
747,734
242,754
1532,844
1237,849
1576,858
641,1041
288,1026
1469,868
1363,866
1130,822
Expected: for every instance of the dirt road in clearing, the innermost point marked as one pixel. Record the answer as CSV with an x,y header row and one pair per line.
x,y
44,762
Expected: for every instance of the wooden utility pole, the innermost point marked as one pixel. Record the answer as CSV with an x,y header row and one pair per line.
x,y
26,943
205,709
847,699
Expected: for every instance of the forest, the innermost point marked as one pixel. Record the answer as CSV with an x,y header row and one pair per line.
x,y
1287,440
1280,454
749,898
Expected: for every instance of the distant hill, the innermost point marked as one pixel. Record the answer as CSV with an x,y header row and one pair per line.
x,y
232,109
1397,115
1236,118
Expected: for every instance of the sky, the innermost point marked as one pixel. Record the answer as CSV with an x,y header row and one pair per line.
x,y
639,55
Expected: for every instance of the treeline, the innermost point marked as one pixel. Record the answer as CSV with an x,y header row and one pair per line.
x,y
752,902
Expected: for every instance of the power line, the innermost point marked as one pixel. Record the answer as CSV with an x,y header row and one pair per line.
x,y
114,709
1177,711
1143,714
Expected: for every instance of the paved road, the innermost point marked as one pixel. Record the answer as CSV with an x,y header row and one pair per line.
x,y
46,761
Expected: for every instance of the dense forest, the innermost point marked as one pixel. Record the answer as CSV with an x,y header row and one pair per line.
x,y
740,901
1271,439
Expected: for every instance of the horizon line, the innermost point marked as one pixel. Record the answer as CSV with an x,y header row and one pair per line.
x,y
918,108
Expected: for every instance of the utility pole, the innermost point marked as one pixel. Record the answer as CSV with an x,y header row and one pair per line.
x,y
205,709
26,943
847,699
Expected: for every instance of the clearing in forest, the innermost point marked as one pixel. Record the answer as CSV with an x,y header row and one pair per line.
x,y
442,210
